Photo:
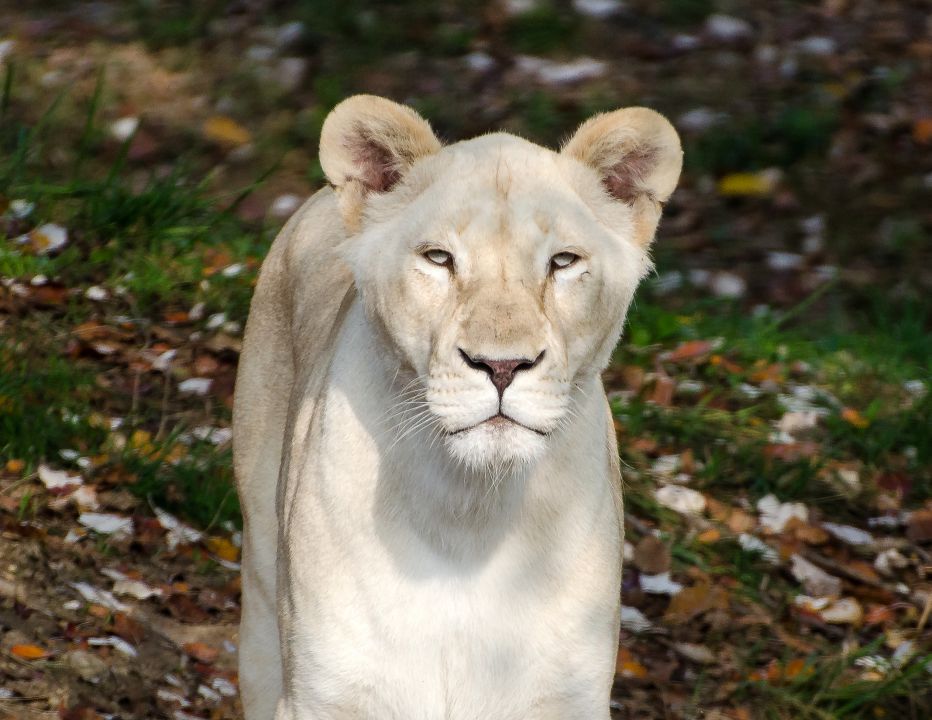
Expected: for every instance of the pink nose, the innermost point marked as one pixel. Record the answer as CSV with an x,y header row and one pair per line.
x,y
501,372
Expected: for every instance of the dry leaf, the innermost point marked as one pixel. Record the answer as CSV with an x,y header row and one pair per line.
x,y
709,536
226,131
626,666
201,651
15,466
223,548
29,652
853,417
694,601
749,184
690,350
815,580
919,526
922,131
652,556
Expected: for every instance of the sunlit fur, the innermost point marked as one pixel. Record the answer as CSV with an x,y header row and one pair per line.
x,y
416,547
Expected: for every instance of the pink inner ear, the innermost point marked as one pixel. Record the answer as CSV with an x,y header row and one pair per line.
x,y
624,179
377,167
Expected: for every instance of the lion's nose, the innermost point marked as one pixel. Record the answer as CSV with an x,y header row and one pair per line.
x,y
501,372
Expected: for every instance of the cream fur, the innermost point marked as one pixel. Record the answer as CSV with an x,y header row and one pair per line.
x,y
404,557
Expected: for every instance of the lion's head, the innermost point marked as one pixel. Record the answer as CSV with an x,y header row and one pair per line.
x,y
499,271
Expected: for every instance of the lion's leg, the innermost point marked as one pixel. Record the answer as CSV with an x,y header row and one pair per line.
x,y
260,664
263,387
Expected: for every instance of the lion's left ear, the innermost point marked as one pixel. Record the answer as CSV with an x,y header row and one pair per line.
x,y
367,144
637,155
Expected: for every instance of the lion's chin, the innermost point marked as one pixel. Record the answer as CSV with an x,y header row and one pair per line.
x,y
496,444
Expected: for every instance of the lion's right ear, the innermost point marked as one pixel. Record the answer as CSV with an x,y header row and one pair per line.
x,y
367,144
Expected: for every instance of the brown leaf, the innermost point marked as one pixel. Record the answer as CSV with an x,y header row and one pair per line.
x,y
201,652
690,350
664,387
791,452
205,365
919,528
740,521
694,601
652,556
922,131
186,610
128,629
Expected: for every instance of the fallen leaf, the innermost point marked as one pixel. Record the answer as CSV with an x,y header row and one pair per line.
x,y
664,387
757,184
106,523
15,466
128,629
46,239
846,611
135,588
848,534
626,666
195,386
29,652
791,452
660,584
919,526
694,601
709,536
853,417
117,643
815,580
682,499
774,515
922,131
201,652
226,131
634,620
57,480
690,350
223,548
696,653
740,521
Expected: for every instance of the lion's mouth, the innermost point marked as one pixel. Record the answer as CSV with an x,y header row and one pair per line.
x,y
499,420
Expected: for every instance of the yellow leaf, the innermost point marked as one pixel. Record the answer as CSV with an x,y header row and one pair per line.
x,y
709,536
748,184
15,465
28,652
853,417
627,666
223,548
226,131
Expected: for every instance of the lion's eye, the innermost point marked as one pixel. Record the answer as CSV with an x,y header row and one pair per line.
x,y
562,260
440,257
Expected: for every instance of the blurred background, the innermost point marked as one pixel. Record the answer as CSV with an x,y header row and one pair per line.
x,y
770,393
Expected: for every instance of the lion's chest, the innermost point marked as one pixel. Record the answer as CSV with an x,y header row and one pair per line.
x,y
396,649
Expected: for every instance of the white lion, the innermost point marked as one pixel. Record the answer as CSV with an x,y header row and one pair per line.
x,y
424,451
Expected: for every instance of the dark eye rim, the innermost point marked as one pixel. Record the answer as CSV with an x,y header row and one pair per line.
x,y
553,264
448,262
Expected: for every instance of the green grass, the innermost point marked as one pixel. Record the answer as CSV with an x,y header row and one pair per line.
x,y
155,248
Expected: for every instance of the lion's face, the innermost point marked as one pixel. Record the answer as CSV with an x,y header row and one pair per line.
x,y
500,273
